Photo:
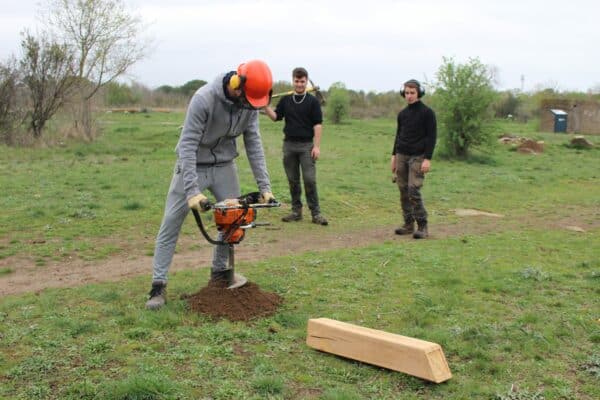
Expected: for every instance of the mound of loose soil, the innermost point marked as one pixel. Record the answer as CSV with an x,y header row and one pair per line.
x,y
240,304
529,146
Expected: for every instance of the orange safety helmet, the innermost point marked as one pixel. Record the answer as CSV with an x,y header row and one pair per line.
x,y
257,82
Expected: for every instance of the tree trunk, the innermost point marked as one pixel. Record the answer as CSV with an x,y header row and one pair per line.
x,y
86,119
83,122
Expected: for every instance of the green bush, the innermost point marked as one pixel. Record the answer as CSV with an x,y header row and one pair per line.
x,y
464,95
120,94
507,105
338,103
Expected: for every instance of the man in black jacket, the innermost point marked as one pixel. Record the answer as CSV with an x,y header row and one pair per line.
x,y
411,157
301,145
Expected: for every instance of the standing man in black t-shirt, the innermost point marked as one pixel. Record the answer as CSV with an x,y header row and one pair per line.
x,y
301,145
411,157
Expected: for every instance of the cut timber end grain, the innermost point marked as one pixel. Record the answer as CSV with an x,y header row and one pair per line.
x,y
412,356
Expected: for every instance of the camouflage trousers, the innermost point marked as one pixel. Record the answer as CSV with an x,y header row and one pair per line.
x,y
410,180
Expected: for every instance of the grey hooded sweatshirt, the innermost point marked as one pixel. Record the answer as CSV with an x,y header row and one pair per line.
x,y
208,138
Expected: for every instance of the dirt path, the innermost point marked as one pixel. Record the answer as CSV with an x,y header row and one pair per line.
x,y
27,277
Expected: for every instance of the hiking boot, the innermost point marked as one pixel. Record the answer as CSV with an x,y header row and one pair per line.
x,y
406,229
319,220
421,232
158,296
293,216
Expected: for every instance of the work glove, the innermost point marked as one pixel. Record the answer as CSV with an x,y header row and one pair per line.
x,y
199,202
267,197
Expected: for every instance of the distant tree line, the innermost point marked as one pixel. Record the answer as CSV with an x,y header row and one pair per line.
x,y
117,94
186,90
72,67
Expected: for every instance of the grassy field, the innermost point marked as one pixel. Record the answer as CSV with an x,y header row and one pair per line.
x,y
515,307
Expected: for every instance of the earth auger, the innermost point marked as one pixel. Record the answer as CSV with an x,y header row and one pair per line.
x,y
233,217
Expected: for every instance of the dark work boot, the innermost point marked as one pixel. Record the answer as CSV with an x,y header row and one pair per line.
x,y
421,232
158,295
319,219
293,216
406,229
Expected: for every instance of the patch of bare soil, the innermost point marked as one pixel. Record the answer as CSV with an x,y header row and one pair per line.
x,y
468,212
261,245
240,304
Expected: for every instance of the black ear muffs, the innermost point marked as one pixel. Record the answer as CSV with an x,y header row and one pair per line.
x,y
420,88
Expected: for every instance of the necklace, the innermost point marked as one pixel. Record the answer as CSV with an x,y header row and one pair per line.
x,y
299,102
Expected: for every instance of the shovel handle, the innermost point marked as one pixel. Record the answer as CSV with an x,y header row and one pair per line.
x,y
310,89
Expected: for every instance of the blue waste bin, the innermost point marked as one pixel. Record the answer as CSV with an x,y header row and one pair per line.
x,y
560,120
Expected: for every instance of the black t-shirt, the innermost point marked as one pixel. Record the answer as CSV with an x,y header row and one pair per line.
x,y
301,114
417,131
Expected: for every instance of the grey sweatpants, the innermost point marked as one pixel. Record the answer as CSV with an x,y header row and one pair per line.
x,y
222,182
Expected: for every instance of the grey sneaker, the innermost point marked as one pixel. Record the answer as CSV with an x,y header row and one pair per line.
x,y
319,220
293,216
158,296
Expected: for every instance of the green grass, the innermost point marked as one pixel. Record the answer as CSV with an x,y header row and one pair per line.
x,y
515,308
73,201
498,322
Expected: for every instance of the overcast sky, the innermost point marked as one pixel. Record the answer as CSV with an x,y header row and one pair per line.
x,y
367,45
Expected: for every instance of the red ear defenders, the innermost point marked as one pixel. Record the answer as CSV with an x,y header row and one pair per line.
x,y
420,89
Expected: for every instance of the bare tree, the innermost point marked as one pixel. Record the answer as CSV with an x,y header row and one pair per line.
x,y
11,112
104,38
47,69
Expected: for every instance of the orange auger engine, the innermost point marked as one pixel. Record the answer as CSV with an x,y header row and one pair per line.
x,y
232,218
233,222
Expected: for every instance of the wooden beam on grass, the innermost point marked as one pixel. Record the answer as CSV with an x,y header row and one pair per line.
x,y
411,356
